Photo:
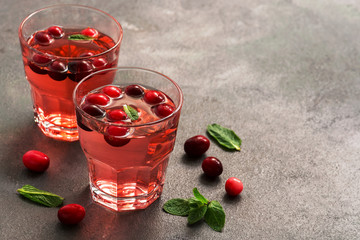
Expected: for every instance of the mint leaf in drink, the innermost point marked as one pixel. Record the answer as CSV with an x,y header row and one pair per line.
x,y
224,136
196,214
131,112
177,206
79,37
36,195
199,196
215,216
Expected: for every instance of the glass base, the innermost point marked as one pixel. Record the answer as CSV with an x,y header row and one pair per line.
x,y
120,204
50,126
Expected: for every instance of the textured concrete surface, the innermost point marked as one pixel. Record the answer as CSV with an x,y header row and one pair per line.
x,y
283,74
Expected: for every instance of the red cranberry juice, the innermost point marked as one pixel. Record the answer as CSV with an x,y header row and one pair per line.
x,y
54,71
128,161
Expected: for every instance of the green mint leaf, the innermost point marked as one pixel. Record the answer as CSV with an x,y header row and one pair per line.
x,y
80,37
196,214
215,216
131,112
199,196
177,206
194,202
224,136
36,195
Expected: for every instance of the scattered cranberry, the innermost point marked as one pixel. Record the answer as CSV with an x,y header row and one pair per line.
x,y
114,136
212,167
93,110
99,62
71,214
58,70
98,99
233,186
164,110
196,146
153,97
90,32
56,31
112,91
41,59
36,161
87,54
116,115
134,91
43,38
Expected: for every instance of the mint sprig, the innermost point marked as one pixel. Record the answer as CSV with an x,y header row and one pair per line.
x,y
43,197
224,136
197,208
79,37
131,112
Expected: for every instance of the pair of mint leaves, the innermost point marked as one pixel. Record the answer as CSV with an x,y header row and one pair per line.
x,y
197,208
39,196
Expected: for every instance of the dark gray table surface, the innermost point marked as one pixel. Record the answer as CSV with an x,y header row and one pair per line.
x,y
283,74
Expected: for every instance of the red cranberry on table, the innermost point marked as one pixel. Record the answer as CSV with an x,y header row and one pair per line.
x,y
196,145
71,214
212,167
153,97
56,31
233,186
164,110
134,90
36,161
43,38
90,32
116,115
98,99
112,91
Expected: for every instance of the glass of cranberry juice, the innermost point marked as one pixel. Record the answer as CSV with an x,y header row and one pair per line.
x,y
127,130
61,45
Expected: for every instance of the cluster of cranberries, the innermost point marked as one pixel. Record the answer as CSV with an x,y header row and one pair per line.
x,y
212,167
59,69
37,161
97,103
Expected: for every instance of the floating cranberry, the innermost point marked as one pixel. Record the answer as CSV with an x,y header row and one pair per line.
x,y
58,70
37,69
212,167
79,70
43,38
71,214
99,62
233,186
153,97
87,54
80,124
93,110
196,146
41,59
36,161
116,115
134,90
112,91
115,136
164,110
56,31
90,32
98,99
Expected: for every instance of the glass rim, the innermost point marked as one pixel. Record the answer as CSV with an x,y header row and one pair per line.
x,y
23,40
117,69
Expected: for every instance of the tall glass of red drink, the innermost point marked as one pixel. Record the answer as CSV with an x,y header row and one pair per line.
x,y
61,45
127,130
